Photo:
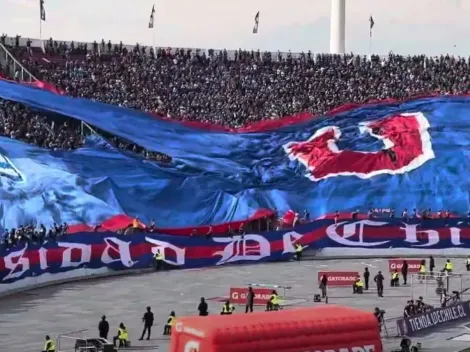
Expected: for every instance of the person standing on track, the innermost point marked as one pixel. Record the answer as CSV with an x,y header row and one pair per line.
x,y
148,323
366,278
103,327
404,271
250,298
379,280
203,308
431,265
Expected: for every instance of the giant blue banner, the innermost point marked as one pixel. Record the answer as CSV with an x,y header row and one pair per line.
x,y
408,155
99,250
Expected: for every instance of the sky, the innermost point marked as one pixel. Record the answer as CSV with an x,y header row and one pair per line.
x,y
429,27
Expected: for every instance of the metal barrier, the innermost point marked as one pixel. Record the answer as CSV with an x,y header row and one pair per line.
x,y
274,287
14,66
67,342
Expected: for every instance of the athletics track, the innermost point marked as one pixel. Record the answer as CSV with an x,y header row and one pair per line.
x,y
26,318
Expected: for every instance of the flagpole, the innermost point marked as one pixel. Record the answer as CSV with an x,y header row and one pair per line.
x,y
153,42
40,27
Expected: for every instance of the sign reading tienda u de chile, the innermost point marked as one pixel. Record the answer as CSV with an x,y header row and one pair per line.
x,y
116,252
434,318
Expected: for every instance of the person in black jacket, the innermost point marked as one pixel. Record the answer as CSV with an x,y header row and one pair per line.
x,y
203,308
379,280
404,271
103,327
250,298
148,323
366,278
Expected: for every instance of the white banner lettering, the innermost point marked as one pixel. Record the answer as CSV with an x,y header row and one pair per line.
x,y
288,240
16,263
239,248
352,229
163,246
411,233
122,251
83,249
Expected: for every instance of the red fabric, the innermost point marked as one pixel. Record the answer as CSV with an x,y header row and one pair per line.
x,y
47,86
122,221
288,218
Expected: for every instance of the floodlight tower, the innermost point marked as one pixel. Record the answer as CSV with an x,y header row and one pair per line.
x,y
337,26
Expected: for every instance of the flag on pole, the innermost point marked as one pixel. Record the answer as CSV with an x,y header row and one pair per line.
x,y
371,25
152,17
255,27
42,10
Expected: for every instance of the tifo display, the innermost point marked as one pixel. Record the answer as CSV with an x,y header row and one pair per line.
x,y
118,252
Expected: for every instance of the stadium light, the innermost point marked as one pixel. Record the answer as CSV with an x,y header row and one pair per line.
x,y
337,26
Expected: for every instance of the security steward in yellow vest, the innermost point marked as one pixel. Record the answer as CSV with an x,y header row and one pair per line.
x,y
158,258
298,251
169,324
122,336
395,280
227,308
49,345
358,286
467,264
422,270
449,266
273,303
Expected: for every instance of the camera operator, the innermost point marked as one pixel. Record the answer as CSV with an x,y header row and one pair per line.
x,y
379,315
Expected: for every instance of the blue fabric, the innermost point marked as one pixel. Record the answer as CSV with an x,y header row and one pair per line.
x,y
219,177
100,250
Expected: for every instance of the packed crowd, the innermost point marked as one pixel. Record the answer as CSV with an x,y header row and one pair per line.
x,y
211,87
30,234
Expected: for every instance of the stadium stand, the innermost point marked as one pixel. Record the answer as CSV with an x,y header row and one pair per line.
x,y
229,88
232,88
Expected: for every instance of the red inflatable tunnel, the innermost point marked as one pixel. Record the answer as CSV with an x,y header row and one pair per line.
x,y
326,328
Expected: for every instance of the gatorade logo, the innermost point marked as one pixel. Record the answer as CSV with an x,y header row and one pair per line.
x,y
191,346
239,294
339,278
397,264
179,327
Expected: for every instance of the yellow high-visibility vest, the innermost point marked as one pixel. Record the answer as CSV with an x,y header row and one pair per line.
x,y
49,345
228,309
171,320
123,334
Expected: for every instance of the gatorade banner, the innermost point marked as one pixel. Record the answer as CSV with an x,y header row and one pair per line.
x,y
339,278
238,295
397,264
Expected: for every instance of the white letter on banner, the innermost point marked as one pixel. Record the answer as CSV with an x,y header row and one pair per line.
x,y
43,258
237,248
349,230
455,236
288,239
412,235
85,254
20,262
122,250
162,245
